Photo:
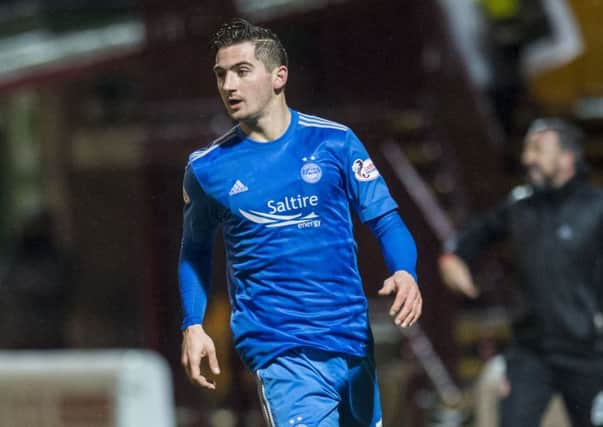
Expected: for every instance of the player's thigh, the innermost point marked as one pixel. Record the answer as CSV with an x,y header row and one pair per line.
x,y
361,405
296,391
531,382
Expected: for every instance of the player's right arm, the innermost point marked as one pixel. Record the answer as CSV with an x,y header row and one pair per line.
x,y
370,198
194,273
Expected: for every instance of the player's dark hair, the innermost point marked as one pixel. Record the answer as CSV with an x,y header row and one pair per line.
x,y
268,47
571,138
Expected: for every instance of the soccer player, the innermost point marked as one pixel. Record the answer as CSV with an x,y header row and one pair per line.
x,y
282,185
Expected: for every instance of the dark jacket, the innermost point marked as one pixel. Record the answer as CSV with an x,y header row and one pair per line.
x,y
557,239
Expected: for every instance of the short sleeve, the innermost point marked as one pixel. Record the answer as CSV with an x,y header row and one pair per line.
x,y
366,188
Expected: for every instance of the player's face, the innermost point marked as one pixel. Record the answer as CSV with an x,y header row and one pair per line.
x,y
245,85
542,156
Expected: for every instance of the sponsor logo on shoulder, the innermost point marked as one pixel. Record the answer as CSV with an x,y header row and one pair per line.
x,y
280,212
365,170
238,187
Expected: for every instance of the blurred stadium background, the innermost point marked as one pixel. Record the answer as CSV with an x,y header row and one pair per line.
x,y
100,103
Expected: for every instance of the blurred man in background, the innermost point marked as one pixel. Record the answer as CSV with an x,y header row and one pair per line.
x,y
282,185
555,224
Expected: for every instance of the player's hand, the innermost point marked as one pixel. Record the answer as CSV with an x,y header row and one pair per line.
x,y
408,302
197,345
456,275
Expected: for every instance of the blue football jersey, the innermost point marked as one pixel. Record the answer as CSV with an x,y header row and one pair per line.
x,y
285,209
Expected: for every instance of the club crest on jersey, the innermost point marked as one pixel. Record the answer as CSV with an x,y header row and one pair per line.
x,y
311,173
365,170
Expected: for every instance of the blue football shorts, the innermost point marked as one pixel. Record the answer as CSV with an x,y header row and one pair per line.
x,y
313,388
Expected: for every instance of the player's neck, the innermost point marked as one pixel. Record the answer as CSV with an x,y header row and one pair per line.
x,y
271,125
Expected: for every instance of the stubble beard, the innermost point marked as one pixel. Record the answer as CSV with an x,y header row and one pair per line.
x,y
543,183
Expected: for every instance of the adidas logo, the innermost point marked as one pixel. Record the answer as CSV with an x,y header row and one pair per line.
x,y
237,188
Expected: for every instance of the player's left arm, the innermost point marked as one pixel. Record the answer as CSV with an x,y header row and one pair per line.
x,y
372,201
400,253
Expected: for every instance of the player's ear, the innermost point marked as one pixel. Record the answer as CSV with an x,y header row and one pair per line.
x,y
279,77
